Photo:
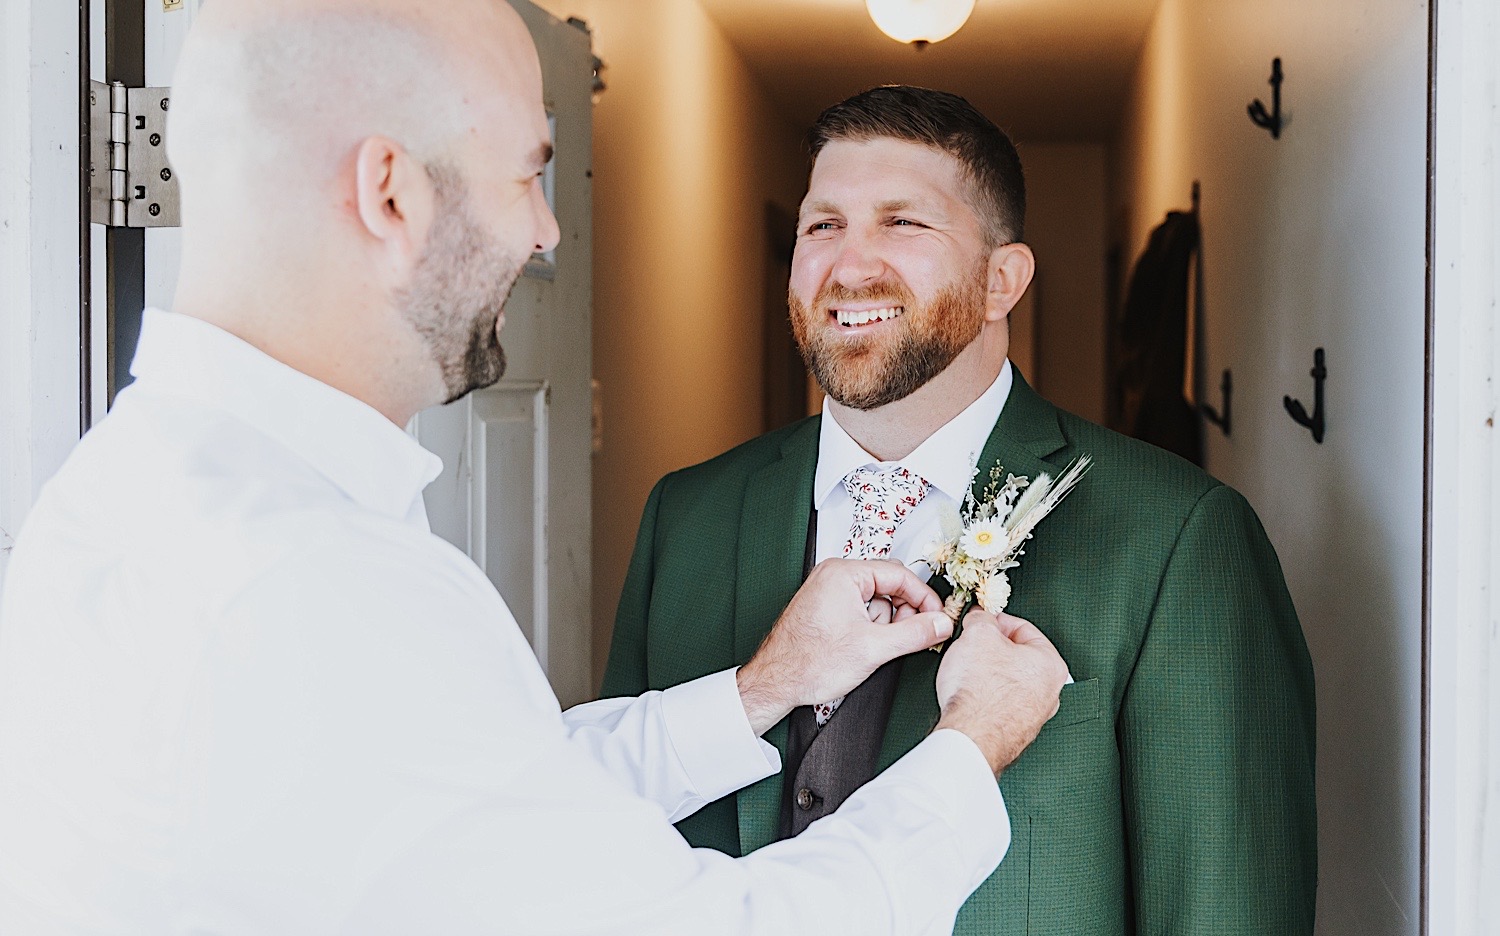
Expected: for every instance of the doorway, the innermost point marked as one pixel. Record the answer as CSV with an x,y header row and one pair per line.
x,y
1317,241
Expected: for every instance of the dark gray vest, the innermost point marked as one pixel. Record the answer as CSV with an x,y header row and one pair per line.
x,y
823,766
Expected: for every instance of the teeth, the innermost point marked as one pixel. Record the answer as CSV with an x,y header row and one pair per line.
x,y
867,316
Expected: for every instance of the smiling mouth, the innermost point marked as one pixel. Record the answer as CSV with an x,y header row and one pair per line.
x,y
856,319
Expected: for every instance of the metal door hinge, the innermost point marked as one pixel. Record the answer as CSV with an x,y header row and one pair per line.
x,y
130,183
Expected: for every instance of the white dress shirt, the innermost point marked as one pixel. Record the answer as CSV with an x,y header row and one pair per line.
x,y
244,690
946,459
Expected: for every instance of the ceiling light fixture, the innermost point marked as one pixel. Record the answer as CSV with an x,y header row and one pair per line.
x,y
919,22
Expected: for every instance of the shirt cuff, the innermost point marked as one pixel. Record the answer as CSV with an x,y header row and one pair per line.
x,y
711,735
968,796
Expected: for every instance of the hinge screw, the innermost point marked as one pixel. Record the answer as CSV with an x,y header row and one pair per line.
x,y
154,210
166,175
156,139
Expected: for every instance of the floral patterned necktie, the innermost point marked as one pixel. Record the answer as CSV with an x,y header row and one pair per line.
x,y
883,497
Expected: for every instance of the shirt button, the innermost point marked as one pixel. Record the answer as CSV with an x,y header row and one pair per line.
x,y
804,798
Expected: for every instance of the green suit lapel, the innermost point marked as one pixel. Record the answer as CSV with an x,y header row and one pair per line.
x,y
1026,433
772,547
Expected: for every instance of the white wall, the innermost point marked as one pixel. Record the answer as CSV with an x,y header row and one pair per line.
x,y
1316,239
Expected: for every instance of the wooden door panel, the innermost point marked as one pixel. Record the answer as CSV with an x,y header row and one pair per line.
x,y
511,507
516,484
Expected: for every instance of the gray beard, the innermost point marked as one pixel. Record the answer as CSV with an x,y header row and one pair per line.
x,y
458,290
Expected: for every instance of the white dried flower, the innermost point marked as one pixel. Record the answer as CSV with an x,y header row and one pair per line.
x,y
994,593
938,552
965,572
984,540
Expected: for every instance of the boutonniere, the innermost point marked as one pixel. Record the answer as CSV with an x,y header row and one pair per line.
x,y
985,537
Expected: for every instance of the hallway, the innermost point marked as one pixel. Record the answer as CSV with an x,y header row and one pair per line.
x,y
1314,240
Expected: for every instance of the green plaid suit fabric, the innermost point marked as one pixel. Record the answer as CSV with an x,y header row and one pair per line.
x,y
1173,791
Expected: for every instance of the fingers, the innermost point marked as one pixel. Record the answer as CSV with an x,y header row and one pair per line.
x,y
918,632
1017,630
978,619
881,611
897,581
1020,632
942,625
901,612
1028,633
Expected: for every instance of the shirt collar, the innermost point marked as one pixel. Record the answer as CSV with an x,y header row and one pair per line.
x,y
945,458
350,443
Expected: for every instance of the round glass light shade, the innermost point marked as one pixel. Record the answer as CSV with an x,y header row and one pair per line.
x,y
919,20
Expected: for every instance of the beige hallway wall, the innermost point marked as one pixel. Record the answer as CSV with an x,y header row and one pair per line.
x,y
687,151
1065,226
1316,240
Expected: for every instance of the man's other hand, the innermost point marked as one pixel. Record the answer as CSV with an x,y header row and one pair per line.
x,y
836,632
999,683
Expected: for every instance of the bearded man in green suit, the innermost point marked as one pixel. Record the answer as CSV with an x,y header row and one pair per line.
x,y
1172,793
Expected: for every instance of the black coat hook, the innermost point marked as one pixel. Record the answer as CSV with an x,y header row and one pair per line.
x,y
1272,120
1220,417
1299,412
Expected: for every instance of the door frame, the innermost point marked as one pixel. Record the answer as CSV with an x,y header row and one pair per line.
x,y
44,246
1461,649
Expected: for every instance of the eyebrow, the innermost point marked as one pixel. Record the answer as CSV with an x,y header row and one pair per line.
x,y
820,207
892,206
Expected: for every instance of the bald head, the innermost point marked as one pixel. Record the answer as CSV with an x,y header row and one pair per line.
x,y
285,90
361,186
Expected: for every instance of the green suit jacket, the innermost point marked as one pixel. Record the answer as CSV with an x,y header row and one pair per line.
x,y
1173,791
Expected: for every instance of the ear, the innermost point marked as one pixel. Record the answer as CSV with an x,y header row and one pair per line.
x,y
1010,270
395,201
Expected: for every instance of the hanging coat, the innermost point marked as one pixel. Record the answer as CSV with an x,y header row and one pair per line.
x,y
1150,343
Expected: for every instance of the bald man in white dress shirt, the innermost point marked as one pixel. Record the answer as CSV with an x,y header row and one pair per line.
x,y
244,690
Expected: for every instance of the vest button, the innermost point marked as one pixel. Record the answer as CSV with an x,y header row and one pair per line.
x,y
804,798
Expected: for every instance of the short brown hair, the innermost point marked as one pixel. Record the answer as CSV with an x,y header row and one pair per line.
x,y
945,122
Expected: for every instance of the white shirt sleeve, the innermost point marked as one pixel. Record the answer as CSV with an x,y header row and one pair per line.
x,y
681,748
378,752
900,856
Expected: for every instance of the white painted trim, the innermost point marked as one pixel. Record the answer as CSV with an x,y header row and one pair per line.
x,y
39,271
1464,734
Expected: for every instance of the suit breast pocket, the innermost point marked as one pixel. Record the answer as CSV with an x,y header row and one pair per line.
x,y
1078,702
1074,758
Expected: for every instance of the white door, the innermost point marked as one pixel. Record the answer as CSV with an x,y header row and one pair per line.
x,y
515,489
